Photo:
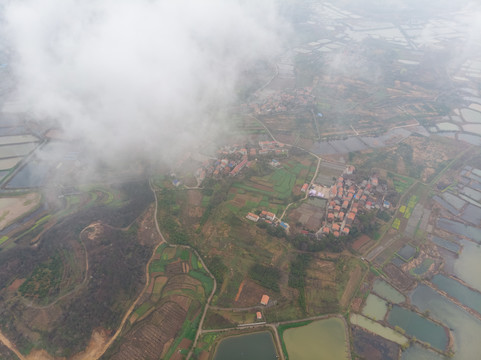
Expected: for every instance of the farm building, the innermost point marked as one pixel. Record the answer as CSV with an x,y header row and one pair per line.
x,y
259,315
252,217
264,300
268,215
304,187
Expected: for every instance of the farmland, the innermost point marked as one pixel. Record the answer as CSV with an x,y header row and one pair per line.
x,y
281,183
166,320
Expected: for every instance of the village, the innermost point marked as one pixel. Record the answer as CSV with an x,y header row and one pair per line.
x,y
232,159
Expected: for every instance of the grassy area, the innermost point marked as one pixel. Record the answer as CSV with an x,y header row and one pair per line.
x,y
157,266
410,206
396,224
3,239
44,280
401,183
142,309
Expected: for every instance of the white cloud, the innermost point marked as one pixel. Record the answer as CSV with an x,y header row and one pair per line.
x,y
128,76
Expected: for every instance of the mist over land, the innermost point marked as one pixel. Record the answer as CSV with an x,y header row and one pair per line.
x,y
172,168
137,79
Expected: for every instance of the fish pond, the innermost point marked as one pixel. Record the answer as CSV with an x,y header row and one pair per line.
x,y
378,329
320,340
407,252
375,307
417,352
459,228
465,328
449,245
467,266
423,267
387,292
462,293
419,327
257,346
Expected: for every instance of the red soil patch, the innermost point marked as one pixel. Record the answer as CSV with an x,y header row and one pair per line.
x,y
360,242
251,294
240,290
16,284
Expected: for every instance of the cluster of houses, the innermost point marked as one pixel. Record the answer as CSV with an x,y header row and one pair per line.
x,y
268,217
284,101
345,199
232,159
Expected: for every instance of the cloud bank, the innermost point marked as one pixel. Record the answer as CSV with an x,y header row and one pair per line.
x,y
144,77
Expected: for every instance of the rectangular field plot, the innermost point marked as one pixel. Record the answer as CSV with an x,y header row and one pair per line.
x,y
9,163
16,150
322,339
17,139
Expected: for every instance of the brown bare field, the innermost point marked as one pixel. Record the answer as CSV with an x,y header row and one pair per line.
x,y
308,215
194,198
16,284
148,234
250,295
152,338
360,242
180,282
321,287
12,208
354,278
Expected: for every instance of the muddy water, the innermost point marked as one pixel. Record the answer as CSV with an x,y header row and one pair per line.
x,y
375,308
464,327
468,266
320,340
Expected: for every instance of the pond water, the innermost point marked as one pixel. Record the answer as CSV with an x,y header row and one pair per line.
x,y
471,115
473,194
378,329
467,266
472,214
464,327
421,269
386,291
417,352
257,346
407,252
459,228
446,205
472,128
375,307
320,340
453,200
454,288
451,246
34,174
469,138
418,326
